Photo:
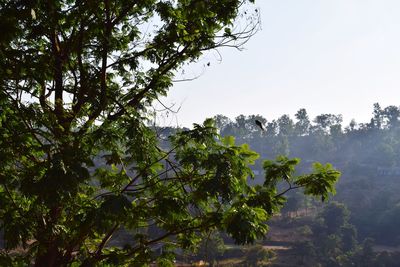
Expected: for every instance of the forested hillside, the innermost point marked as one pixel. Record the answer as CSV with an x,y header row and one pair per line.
x,y
89,178
367,154
360,224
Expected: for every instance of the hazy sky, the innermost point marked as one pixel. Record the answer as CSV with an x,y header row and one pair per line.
x,y
328,56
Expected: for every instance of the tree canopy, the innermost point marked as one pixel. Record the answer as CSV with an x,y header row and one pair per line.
x,y
79,160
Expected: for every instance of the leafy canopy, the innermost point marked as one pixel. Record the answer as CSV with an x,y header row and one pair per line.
x,y
79,161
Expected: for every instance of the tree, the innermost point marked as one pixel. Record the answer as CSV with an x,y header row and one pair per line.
x,y
349,237
256,254
325,122
222,123
272,128
336,239
392,114
378,116
78,159
368,256
293,204
388,231
305,250
352,126
286,125
335,216
246,126
211,248
303,123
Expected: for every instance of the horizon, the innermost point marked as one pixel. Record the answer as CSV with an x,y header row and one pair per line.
x,y
327,57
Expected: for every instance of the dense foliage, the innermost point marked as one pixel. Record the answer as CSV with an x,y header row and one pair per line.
x,y
366,153
79,161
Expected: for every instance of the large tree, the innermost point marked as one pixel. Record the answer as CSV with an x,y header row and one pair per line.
x,y
78,159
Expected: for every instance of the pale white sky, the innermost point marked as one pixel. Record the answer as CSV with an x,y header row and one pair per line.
x,y
328,56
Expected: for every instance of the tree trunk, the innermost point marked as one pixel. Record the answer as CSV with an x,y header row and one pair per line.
x,y
49,258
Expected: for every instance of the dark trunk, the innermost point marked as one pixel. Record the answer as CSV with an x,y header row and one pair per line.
x,y
50,258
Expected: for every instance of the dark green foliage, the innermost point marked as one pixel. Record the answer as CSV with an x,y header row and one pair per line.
x,y
256,254
334,239
335,216
367,154
211,248
79,160
389,220
306,251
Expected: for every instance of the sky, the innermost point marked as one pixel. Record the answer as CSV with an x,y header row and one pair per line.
x,y
327,56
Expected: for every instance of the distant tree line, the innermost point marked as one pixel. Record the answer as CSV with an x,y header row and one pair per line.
x,y
324,138
367,154
367,213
